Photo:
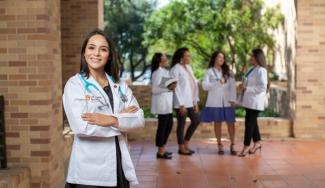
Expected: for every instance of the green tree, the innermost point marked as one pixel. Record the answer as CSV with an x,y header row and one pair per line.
x,y
124,20
234,26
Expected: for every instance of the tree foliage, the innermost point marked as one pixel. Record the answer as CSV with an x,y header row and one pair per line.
x,y
234,26
124,20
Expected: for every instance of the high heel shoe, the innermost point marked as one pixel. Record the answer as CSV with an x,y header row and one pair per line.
x,y
220,149
244,152
253,151
232,150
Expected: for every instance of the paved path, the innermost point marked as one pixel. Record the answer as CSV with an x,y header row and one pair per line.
x,y
293,163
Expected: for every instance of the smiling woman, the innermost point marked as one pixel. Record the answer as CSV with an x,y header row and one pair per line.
x,y
100,110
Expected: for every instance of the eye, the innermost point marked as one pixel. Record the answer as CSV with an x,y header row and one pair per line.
x,y
91,47
104,49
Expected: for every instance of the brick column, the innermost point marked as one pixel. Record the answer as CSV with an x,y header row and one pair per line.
x,y
78,17
309,120
30,80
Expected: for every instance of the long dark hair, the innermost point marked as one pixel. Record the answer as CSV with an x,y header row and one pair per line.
x,y
225,67
156,59
261,61
178,55
259,57
112,67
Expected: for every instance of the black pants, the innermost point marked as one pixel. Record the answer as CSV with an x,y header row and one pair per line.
x,y
251,127
122,182
181,120
165,125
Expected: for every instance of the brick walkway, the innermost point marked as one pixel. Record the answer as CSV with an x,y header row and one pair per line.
x,y
296,164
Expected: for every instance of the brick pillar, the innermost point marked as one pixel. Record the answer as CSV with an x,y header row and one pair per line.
x,y
309,120
30,80
78,17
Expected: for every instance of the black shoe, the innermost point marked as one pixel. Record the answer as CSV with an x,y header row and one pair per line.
x,y
163,156
191,151
184,153
169,153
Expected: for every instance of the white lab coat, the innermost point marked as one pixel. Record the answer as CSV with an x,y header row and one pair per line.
x,y
255,92
93,156
183,95
219,95
162,98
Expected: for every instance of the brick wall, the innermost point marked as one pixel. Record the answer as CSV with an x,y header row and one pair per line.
x,y
78,17
143,94
30,80
309,119
15,178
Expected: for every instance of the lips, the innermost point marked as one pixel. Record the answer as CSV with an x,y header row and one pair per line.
x,y
95,60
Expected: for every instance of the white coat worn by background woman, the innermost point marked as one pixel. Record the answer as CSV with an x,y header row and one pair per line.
x,y
162,102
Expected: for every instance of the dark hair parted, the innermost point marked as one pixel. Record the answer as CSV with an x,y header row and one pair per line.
x,y
261,61
225,67
259,57
178,55
156,59
112,67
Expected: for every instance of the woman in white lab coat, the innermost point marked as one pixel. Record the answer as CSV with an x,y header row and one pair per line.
x,y
100,109
186,97
220,83
162,102
254,90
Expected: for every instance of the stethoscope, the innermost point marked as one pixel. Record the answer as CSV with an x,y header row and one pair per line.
x,y
87,86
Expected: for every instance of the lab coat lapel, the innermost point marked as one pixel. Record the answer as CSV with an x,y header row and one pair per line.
x,y
101,90
114,87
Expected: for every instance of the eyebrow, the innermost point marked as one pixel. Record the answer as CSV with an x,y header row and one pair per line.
x,y
99,46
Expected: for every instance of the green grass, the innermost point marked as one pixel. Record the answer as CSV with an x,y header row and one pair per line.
x,y
240,112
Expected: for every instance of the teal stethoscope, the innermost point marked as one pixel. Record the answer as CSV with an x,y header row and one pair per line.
x,y
87,86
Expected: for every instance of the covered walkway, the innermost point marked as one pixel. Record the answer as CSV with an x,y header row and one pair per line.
x,y
291,163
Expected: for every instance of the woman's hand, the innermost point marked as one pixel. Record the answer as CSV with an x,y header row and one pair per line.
x,y
172,87
241,88
182,110
130,109
232,103
222,80
196,108
99,119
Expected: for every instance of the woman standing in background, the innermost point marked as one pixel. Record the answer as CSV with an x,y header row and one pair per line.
x,y
221,86
186,97
162,103
254,90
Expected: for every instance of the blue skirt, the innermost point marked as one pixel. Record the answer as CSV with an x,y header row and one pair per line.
x,y
216,114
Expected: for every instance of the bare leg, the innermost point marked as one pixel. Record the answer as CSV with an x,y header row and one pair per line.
x,y
231,132
217,131
161,150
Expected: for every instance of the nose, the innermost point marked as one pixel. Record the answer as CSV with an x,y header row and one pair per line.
x,y
97,52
